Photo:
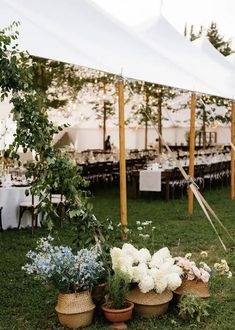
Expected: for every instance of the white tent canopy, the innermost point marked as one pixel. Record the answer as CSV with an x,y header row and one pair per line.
x,y
231,59
76,31
215,56
208,65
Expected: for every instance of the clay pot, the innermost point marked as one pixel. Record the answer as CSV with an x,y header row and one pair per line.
x,y
118,316
150,304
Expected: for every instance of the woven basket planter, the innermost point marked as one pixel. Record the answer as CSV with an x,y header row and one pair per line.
x,y
195,286
75,310
151,303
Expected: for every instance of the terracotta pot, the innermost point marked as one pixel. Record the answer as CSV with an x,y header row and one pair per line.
x,y
195,286
75,309
151,303
118,316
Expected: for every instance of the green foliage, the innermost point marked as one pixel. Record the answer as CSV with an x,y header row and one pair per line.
x,y
30,82
59,82
88,228
118,288
27,305
218,41
193,306
14,65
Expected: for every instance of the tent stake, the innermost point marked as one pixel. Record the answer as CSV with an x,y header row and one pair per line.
x,y
191,149
232,185
122,160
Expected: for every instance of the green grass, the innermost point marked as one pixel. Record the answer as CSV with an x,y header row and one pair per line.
x,y
27,305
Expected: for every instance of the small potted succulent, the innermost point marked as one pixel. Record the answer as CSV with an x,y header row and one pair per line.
x,y
72,274
117,309
192,306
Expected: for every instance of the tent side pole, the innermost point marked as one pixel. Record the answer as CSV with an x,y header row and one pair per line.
x,y
232,178
122,160
191,149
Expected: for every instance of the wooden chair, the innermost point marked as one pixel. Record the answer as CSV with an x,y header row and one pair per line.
x,y
30,207
58,201
1,228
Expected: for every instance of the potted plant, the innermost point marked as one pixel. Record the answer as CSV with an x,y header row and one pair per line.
x,y
194,277
72,274
117,309
192,306
154,277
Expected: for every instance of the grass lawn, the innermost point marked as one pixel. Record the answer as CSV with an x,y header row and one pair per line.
x,y
27,305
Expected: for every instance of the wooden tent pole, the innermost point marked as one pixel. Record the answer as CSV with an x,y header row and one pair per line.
x,y
232,178
191,149
122,160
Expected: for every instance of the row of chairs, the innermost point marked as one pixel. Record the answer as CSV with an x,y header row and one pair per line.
x,y
213,175
109,171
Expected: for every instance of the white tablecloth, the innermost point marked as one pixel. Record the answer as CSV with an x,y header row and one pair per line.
x,y
10,199
150,180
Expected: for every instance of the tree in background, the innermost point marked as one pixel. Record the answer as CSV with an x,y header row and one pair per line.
x,y
149,108
59,82
208,105
104,94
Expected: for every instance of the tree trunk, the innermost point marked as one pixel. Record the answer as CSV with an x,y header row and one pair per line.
x,y
104,125
146,135
204,127
146,122
159,122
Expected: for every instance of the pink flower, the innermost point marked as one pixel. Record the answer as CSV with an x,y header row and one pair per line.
x,y
190,276
196,271
205,276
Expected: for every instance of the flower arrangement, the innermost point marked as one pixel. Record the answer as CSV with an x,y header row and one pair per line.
x,y
222,268
157,272
66,271
190,271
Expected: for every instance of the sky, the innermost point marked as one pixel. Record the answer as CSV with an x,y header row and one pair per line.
x,y
177,12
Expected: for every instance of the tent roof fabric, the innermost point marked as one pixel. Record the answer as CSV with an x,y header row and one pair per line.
x,y
231,59
206,46
208,65
79,32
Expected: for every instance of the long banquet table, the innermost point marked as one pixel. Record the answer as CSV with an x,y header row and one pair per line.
x,y
151,179
10,199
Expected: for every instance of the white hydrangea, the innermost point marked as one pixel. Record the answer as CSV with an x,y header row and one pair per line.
x,y
166,266
144,255
176,269
153,272
160,283
116,254
131,251
159,257
146,284
139,272
156,261
173,281
164,253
